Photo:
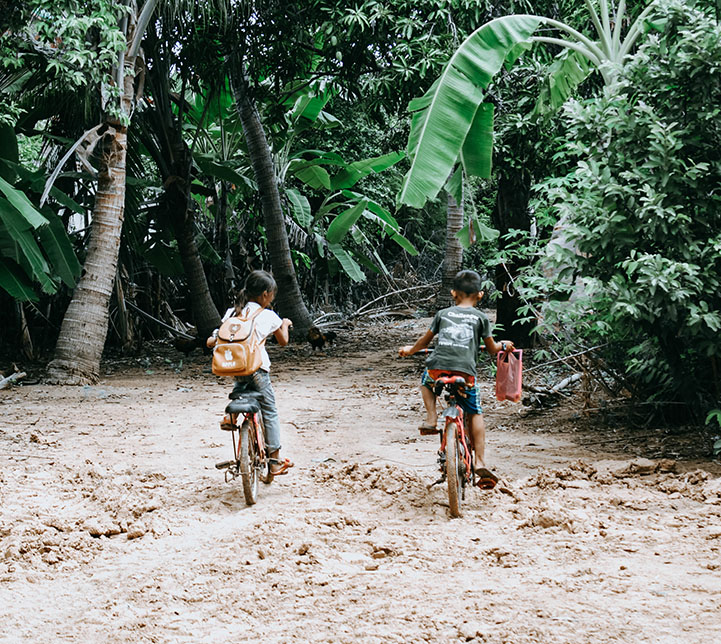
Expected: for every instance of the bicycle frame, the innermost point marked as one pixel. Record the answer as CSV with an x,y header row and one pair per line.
x,y
258,437
454,415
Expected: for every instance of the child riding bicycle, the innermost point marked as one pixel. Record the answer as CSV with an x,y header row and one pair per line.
x,y
255,298
460,329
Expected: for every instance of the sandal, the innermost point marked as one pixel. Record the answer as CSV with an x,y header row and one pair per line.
x,y
426,429
283,468
485,479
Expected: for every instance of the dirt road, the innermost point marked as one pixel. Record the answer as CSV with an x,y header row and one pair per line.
x,y
115,525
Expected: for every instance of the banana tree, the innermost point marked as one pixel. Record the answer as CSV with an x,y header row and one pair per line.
x,y
34,247
342,209
452,122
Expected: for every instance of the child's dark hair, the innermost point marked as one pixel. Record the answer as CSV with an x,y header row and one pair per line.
x,y
257,283
467,282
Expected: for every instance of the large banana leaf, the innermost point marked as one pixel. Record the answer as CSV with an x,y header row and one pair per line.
x,y
59,250
13,280
566,73
444,117
350,175
349,265
344,222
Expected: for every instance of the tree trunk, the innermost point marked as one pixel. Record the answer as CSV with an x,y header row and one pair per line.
x,y
290,300
85,325
205,313
453,259
511,211
179,211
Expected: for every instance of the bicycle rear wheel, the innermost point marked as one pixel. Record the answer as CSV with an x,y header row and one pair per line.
x,y
248,457
454,470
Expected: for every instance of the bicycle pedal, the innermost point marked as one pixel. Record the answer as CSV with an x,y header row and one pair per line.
x,y
228,427
427,431
224,465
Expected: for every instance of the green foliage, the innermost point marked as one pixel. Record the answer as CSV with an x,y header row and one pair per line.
x,y
71,43
641,213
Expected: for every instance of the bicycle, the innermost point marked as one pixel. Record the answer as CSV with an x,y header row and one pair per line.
x,y
249,458
455,455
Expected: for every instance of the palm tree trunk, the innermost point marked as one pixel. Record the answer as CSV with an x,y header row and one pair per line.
x,y
85,325
205,313
453,259
290,300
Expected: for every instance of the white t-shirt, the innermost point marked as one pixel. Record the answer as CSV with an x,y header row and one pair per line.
x,y
266,323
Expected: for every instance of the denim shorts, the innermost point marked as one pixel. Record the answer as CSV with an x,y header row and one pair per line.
x,y
471,403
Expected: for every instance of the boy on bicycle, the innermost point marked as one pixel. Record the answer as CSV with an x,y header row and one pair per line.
x,y
460,329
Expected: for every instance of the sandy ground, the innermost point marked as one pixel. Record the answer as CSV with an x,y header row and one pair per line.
x,y
115,525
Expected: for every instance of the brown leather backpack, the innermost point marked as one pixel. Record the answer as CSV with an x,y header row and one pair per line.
x,y
237,351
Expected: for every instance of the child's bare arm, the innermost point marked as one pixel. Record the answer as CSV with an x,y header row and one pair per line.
x,y
212,339
421,343
281,333
494,347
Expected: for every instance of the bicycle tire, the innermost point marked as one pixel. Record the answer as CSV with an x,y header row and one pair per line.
x,y
454,467
248,471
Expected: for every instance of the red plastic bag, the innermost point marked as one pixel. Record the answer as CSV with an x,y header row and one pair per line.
x,y
509,375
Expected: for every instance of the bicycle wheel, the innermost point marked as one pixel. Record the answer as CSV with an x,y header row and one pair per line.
x,y
248,457
454,470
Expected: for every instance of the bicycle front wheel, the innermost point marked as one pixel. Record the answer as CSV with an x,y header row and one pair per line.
x,y
248,456
454,470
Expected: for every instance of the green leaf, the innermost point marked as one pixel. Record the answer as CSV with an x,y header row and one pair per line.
x,y
224,172
14,281
404,243
206,250
22,204
28,253
57,246
301,207
477,151
446,113
165,258
350,266
356,171
454,187
343,222
314,176
374,208
482,233
566,73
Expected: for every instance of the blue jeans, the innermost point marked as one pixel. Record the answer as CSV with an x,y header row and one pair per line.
x,y
260,381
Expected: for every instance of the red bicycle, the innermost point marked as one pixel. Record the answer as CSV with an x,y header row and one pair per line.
x,y
245,423
455,455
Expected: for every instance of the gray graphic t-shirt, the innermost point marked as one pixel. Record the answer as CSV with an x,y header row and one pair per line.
x,y
460,331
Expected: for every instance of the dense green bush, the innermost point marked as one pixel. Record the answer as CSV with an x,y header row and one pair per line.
x,y
641,215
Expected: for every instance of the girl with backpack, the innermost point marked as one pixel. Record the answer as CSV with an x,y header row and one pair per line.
x,y
252,304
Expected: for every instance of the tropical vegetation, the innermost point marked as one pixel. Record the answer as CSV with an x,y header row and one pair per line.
x,y
153,152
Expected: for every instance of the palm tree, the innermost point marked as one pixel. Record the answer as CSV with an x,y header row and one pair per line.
x,y
85,324
290,300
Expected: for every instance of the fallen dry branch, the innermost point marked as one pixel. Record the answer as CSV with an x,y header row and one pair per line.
x,y
363,310
541,396
12,379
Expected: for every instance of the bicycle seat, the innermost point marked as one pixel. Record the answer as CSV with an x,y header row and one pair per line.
x,y
248,393
249,405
